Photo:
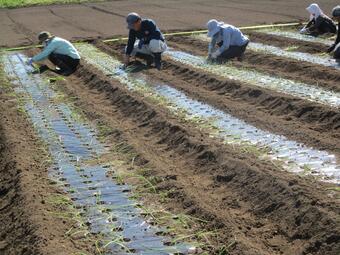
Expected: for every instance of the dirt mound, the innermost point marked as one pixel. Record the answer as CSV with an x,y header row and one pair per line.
x,y
26,215
302,46
267,211
310,123
274,65
18,237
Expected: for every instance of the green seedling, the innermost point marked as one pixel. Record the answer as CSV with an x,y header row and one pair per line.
x,y
306,169
292,48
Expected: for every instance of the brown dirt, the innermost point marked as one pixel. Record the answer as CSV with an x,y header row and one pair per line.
x,y
27,224
279,66
300,120
267,211
106,19
283,42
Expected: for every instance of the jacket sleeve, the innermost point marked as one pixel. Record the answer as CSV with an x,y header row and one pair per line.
x,y
212,45
337,40
310,23
226,41
45,53
154,33
131,43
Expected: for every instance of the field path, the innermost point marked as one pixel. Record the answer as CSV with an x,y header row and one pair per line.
x,y
93,20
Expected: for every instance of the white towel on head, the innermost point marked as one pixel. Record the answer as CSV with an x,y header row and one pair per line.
x,y
315,11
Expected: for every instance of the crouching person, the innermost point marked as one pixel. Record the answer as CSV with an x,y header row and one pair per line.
x,y
227,42
60,52
150,44
319,23
335,48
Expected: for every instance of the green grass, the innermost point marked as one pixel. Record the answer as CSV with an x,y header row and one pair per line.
x,y
24,3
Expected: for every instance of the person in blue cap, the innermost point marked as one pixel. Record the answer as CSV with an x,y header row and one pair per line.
x,y
145,41
59,51
335,48
227,41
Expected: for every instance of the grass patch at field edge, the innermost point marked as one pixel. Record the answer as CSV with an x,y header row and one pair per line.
x,y
26,3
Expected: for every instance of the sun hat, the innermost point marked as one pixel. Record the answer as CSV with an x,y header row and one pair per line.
x,y
213,27
131,19
336,11
43,36
314,10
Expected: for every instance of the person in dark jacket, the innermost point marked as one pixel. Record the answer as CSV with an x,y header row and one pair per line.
x,y
319,23
145,40
335,48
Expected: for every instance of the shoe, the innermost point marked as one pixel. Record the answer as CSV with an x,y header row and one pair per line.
x,y
148,58
149,61
158,60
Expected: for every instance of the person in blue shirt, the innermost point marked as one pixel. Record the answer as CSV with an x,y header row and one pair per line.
x,y
145,40
60,52
335,48
227,41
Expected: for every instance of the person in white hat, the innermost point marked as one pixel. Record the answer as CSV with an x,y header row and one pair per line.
x,y
227,41
335,48
145,40
59,51
319,23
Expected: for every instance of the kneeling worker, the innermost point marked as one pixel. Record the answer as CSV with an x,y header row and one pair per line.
x,y
335,48
227,41
319,23
60,52
151,43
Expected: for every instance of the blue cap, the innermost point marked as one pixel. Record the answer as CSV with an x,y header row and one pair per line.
x,y
131,19
336,11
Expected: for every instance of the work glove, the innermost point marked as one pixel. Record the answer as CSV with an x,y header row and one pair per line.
x,y
303,31
29,62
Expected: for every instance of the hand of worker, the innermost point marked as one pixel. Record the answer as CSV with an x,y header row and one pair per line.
x,y
215,54
126,60
29,62
303,31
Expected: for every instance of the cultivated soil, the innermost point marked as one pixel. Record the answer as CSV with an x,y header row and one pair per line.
x,y
251,204
255,208
29,223
107,19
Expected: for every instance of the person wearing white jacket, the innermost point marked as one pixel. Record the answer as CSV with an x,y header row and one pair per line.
x,y
319,23
227,41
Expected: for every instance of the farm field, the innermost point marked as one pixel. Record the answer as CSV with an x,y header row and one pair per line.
x,y
241,158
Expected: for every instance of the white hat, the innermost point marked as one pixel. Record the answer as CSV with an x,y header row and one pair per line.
x,y
213,27
314,10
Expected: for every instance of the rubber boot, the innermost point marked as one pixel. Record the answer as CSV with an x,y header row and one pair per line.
x,y
148,58
158,60
241,57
